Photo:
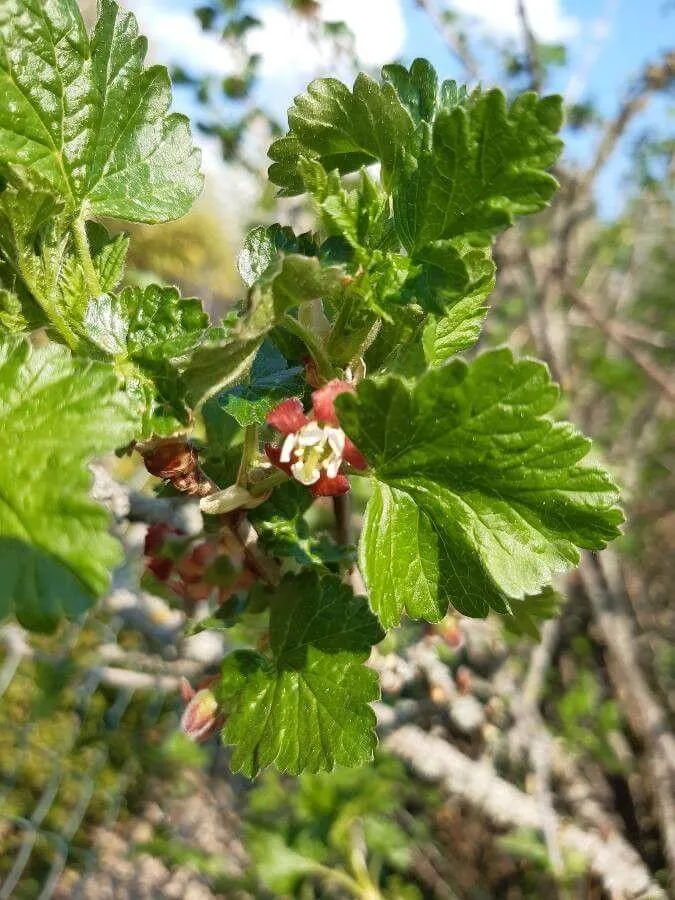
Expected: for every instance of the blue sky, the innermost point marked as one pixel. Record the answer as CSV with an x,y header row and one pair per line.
x,y
609,42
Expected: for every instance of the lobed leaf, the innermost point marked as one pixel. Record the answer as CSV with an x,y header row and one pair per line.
x,y
478,166
479,499
343,129
305,709
56,413
83,112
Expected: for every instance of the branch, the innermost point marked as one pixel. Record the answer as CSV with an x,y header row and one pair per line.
x,y
612,860
247,537
654,77
533,58
536,739
641,359
455,45
644,713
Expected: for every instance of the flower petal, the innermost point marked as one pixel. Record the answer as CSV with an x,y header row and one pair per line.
x,y
273,454
323,401
330,487
288,416
353,456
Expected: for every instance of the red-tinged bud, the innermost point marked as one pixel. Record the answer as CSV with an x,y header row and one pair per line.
x,y
196,591
157,535
452,634
202,716
245,580
160,567
171,459
193,565
463,679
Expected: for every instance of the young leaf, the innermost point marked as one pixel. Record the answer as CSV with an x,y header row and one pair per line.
x,y
277,865
479,499
56,413
344,130
148,331
480,165
37,261
262,246
270,381
305,709
82,111
287,282
419,91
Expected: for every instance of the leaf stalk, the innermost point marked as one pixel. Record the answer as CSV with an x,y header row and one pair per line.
x,y
83,252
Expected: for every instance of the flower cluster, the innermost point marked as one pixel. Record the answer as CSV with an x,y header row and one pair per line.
x,y
315,447
194,572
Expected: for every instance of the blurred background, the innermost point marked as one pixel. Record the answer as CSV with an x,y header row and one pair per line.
x,y
510,766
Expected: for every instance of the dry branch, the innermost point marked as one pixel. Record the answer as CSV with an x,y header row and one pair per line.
x,y
612,860
644,712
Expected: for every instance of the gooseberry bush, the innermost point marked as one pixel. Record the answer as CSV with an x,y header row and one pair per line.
x,y
342,363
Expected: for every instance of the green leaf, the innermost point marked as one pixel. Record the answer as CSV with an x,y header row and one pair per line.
x,y
460,325
296,279
287,282
154,324
419,91
81,111
344,130
284,532
479,499
305,709
56,413
271,380
37,260
263,245
459,283
149,331
278,866
216,364
479,166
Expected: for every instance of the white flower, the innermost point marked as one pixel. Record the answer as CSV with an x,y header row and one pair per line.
x,y
312,448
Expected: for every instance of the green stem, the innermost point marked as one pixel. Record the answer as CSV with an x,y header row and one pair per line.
x,y
341,878
267,484
248,453
313,344
84,256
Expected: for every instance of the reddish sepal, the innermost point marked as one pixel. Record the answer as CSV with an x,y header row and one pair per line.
x,y
323,401
288,416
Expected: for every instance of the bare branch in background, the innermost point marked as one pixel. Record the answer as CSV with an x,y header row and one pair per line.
x,y
533,57
655,77
611,858
644,711
457,47
618,336
600,30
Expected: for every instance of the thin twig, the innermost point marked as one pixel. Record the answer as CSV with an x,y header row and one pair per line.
x,y
455,45
532,55
641,359
654,77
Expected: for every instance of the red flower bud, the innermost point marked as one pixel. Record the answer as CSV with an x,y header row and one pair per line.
x,y
202,716
160,567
